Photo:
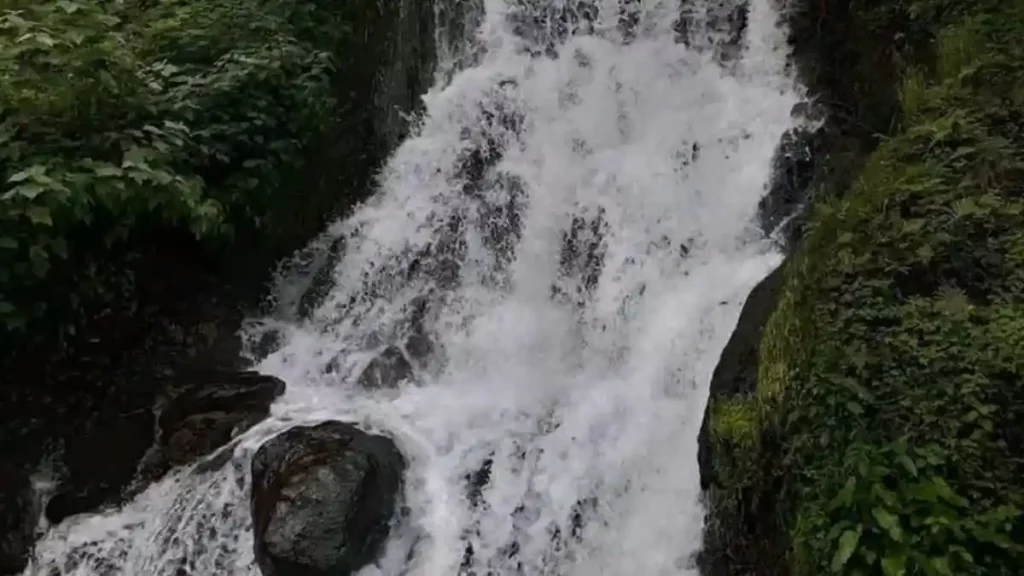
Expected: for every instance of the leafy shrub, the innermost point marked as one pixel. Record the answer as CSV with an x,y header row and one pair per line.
x,y
893,363
117,118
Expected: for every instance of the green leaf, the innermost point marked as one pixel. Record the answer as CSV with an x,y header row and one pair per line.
x,y
69,7
938,566
28,190
45,39
136,156
894,565
845,496
108,170
39,215
8,243
889,522
847,544
31,172
946,492
908,464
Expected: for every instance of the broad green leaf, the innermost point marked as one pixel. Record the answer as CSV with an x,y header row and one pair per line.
x,y
847,544
45,39
136,156
894,565
28,190
39,215
8,242
889,522
845,496
33,171
908,464
69,7
938,566
108,170
946,492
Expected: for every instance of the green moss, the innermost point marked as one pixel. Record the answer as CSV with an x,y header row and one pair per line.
x,y
894,362
739,533
735,420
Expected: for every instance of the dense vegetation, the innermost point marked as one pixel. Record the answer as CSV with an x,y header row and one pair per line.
x,y
886,433
125,122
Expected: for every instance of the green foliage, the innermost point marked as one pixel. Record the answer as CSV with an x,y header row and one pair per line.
x,y
118,118
894,361
734,420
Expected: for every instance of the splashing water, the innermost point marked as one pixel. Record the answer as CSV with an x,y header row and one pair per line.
x,y
572,230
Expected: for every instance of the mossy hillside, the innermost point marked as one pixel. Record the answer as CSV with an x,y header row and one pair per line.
x,y
891,372
889,405
852,55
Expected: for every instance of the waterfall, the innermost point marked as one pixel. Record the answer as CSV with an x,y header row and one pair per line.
x,y
572,228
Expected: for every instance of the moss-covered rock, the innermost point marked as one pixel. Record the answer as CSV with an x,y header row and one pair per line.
x,y
741,533
889,394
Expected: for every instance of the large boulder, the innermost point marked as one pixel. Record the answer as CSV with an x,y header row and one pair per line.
x,y
323,498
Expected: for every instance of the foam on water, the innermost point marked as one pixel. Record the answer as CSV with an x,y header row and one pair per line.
x,y
572,359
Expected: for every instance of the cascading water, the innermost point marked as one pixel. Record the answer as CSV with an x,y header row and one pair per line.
x,y
572,229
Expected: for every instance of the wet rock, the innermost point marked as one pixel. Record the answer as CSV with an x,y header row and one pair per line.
x,y
545,25
718,24
417,341
320,283
205,414
323,498
212,411
18,515
387,370
736,372
794,167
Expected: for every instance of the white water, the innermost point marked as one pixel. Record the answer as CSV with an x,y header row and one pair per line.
x,y
598,395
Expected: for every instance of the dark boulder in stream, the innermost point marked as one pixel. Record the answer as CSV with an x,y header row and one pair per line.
x,y
323,498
